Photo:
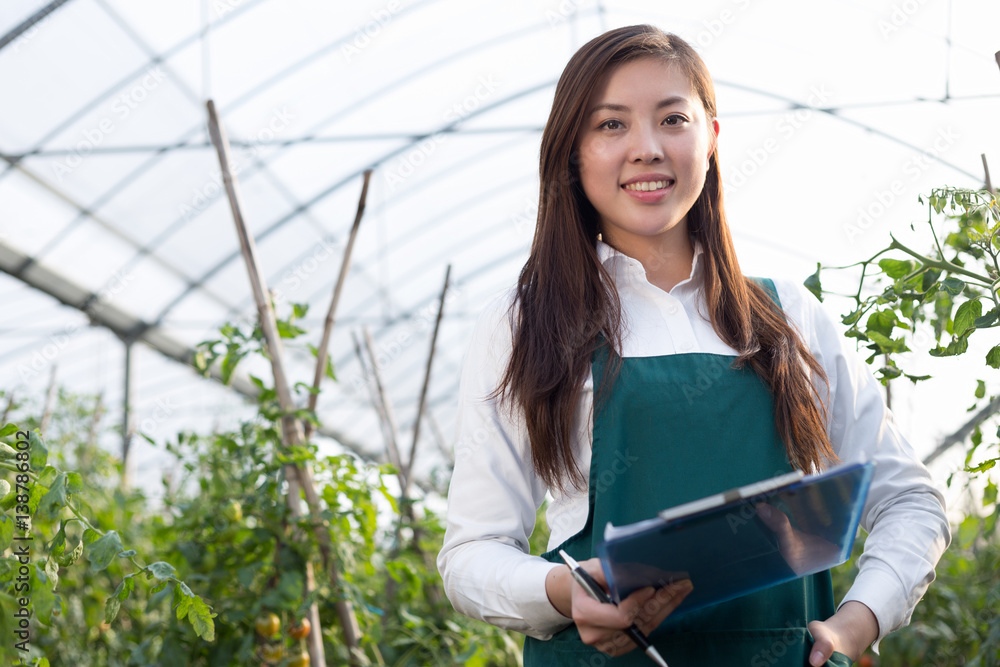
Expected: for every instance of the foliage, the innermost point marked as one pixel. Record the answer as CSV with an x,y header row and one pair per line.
x,y
956,623
69,561
225,530
954,291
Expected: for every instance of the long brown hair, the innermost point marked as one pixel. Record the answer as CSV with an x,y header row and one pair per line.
x,y
566,301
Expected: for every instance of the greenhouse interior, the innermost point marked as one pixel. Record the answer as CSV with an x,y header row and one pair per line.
x,y
245,244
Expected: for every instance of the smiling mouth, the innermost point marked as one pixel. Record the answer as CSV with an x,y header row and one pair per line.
x,y
648,186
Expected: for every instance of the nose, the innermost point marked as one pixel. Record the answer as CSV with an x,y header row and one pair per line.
x,y
645,145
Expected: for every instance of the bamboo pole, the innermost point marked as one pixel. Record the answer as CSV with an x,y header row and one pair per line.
x,y
986,170
965,431
379,400
290,426
427,380
50,402
322,351
10,406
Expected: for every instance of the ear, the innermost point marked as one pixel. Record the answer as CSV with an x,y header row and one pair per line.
x,y
713,137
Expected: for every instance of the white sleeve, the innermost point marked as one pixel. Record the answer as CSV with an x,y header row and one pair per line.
x,y
487,571
904,514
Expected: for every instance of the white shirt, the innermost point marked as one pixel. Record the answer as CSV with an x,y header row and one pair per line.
x,y
484,562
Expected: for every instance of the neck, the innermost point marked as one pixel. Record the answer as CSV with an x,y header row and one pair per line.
x,y
667,259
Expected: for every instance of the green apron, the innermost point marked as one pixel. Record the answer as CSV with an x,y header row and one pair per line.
x,y
673,429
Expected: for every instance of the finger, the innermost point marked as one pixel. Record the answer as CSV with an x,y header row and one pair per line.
x,y
774,519
822,649
595,570
662,603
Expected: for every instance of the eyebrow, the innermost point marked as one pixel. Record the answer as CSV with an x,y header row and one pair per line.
x,y
670,101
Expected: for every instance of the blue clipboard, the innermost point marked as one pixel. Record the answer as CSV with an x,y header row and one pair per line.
x,y
727,547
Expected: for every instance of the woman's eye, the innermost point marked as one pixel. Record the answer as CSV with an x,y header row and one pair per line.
x,y
611,125
674,119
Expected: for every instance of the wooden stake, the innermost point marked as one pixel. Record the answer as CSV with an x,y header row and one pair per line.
x,y
379,400
427,381
10,406
322,352
965,431
291,427
986,170
50,402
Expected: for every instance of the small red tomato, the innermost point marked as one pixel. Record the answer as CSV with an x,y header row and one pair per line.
x,y
301,629
865,661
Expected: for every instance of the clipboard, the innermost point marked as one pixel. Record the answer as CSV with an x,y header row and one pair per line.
x,y
726,545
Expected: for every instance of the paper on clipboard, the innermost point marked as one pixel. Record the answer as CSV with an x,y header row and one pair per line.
x,y
727,550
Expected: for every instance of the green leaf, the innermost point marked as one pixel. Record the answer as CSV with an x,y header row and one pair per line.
x,y
7,430
897,268
299,310
39,452
953,286
988,319
72,557
198,614
883,322
101,552
984,466
114,603
7,452
288,330
74,482
993,357
161,570
980,389
55,499
58,543
6,531
200,362
813,285
966,315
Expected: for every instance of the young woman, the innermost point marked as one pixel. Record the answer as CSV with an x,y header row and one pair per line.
x,y
634,368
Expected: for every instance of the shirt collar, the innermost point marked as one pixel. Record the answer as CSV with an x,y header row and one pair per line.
x,y
621,266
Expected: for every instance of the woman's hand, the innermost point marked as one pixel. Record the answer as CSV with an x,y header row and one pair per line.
x,y
800,550
602,625
850,631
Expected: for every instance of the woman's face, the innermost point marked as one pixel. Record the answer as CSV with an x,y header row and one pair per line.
x,y
643,150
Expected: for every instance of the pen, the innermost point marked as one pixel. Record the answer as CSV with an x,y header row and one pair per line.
x,y
595,591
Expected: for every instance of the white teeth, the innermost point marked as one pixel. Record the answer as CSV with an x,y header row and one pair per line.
x,y
646,186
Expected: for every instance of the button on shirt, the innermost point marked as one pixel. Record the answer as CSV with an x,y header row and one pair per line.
x,y
487,571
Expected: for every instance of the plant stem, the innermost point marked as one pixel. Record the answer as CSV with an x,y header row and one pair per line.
x,y
940,264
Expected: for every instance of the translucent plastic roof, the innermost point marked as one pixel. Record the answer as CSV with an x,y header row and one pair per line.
x,y
835,116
